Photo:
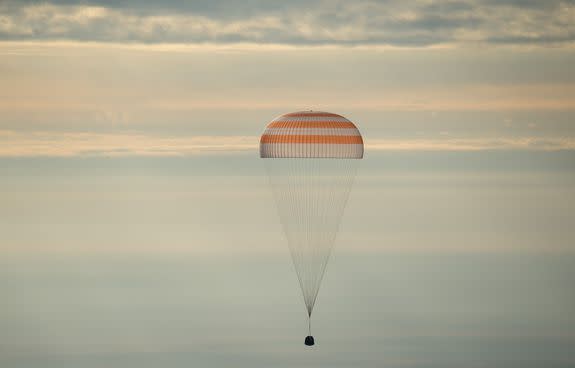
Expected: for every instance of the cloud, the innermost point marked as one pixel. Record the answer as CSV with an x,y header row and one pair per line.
x,y
362,22
42,143
87,144
472,144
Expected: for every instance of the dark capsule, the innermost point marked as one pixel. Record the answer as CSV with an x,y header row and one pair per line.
x,y
309,341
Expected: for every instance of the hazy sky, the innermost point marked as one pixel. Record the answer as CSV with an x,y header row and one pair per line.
x,y
137,228
150,78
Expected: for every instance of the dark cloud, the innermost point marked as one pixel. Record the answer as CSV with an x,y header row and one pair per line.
x,y
216,8
313,22
528,4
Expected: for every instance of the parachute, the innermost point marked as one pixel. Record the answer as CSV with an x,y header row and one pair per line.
x,y
311,160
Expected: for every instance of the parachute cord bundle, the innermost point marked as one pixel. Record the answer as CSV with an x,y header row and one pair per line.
x,y
311,196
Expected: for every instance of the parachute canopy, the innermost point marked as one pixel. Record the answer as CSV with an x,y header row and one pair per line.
x,y
311,134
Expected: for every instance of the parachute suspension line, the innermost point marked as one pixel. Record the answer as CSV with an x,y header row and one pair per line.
x,y
311,195
309,325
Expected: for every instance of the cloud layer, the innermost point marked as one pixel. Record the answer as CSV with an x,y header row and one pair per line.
x,y
333,22
82,144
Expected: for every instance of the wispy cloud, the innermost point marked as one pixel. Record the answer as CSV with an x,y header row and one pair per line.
x,y
320,22
42,143
472,144
17,144
144,79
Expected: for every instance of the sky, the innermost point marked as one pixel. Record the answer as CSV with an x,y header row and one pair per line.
x,y
142,78
138,229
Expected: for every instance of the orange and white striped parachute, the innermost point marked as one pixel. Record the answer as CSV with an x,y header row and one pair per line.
x,y
310,134
311,159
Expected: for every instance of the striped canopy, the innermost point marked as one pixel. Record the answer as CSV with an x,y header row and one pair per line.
x,y
311,134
